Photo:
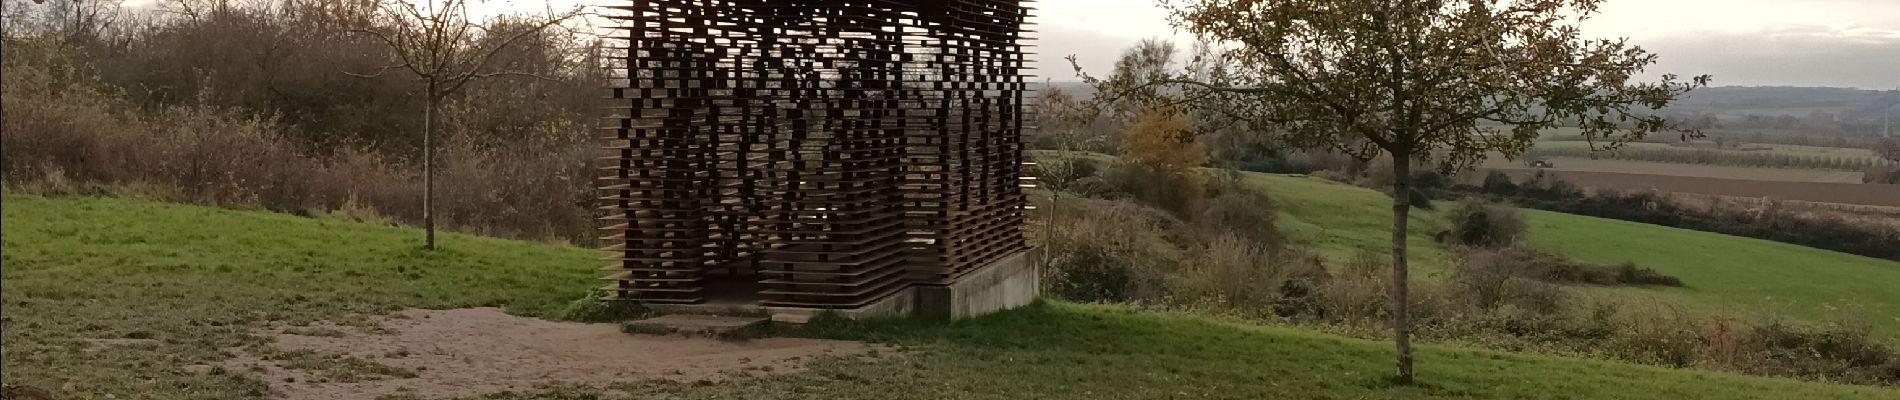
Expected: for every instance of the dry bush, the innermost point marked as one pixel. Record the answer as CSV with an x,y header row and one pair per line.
x,y
1478,223
1359,292
1230,272
1487,279
1174,192
1656,334
1240,212
66,136
1489,265
1106,251
1841,352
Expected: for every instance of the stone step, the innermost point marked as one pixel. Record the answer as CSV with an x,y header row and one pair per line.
x,y
695,325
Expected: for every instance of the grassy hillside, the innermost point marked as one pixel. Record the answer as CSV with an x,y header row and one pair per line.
x,y
1734,272
1721,270
196,280
1340,220
189,281
1727,272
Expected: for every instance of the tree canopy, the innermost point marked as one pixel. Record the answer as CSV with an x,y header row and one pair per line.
x,y
1439,82
1446,80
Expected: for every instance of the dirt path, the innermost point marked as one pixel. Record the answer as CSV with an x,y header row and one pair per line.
x,y
469,352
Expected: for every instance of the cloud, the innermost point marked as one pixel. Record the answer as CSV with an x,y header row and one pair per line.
x,y
1787,55
1096,51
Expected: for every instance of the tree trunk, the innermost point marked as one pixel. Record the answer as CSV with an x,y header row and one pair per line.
x,y
1401,287
428,170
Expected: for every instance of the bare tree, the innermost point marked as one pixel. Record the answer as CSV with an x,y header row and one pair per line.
x,y
438,43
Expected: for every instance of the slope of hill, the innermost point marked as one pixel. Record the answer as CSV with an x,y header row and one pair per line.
x,y
1721,270
188,282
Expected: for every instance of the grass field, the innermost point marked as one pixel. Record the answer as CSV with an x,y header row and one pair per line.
x,y
194,281
1725,272
179,284
1707,144
1687,170
1339,221
124,297
1818,192
1734,273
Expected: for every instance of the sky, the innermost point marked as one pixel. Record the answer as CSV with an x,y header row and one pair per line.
x,y
1837,43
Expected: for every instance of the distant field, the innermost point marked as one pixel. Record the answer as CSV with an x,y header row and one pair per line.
x,y
1569,164
1774,148
1823,192
1566,142
1843,151
1850,213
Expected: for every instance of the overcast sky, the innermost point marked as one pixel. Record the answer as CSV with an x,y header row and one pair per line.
x,y
1841,43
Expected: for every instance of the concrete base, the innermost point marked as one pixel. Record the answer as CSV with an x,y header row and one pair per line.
x,y
900,304
1012,281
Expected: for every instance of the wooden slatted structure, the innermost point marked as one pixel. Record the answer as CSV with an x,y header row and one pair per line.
x,y
831,152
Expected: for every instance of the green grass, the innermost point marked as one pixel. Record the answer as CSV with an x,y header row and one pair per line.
x,y
1734,273
1066,351
1340,221
186,283
1723,272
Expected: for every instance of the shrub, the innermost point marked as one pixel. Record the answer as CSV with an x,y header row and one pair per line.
x,y
1478,223
65,135
1106,251
1833,352
1498,183
1629,274
1492,265
1169,191
1656,335
1230,272
1302,162
1242,213
1418,199
1065,172
1163,140
1488,279
1359,292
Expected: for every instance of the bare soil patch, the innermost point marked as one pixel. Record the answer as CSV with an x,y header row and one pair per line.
x,y
470,352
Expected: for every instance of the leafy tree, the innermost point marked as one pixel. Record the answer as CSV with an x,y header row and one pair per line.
x,y
1163,140
1430,82
1162,159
